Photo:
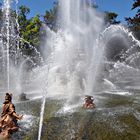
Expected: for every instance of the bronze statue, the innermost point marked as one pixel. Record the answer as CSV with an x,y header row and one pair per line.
x,y
9,118
89,102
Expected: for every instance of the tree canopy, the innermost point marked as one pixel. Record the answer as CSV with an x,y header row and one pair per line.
x,y
111,18
50,16
29,27
134,22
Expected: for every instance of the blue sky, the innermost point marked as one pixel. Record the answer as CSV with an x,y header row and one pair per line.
x,y
122,7
37,6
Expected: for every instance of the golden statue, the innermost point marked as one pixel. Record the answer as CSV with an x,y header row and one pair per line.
x,y
9,118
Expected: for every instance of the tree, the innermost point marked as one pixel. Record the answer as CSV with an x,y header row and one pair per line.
x,y
22,18
110,18
29,28
50,16
31,33
136,4
134,22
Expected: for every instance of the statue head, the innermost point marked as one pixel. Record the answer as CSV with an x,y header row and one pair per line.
x,y
8,97
88,97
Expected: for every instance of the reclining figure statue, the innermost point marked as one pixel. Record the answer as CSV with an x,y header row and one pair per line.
x,y
89,102
9,118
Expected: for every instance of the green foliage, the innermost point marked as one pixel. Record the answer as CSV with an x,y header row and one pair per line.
x,y
50,16
134,22
29,28
31,33
136,4
111,18
22,18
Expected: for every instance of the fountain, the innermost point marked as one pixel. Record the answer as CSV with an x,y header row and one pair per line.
x,y
73,50
41,117
7,23
81,57
69,54
84,46
15,64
